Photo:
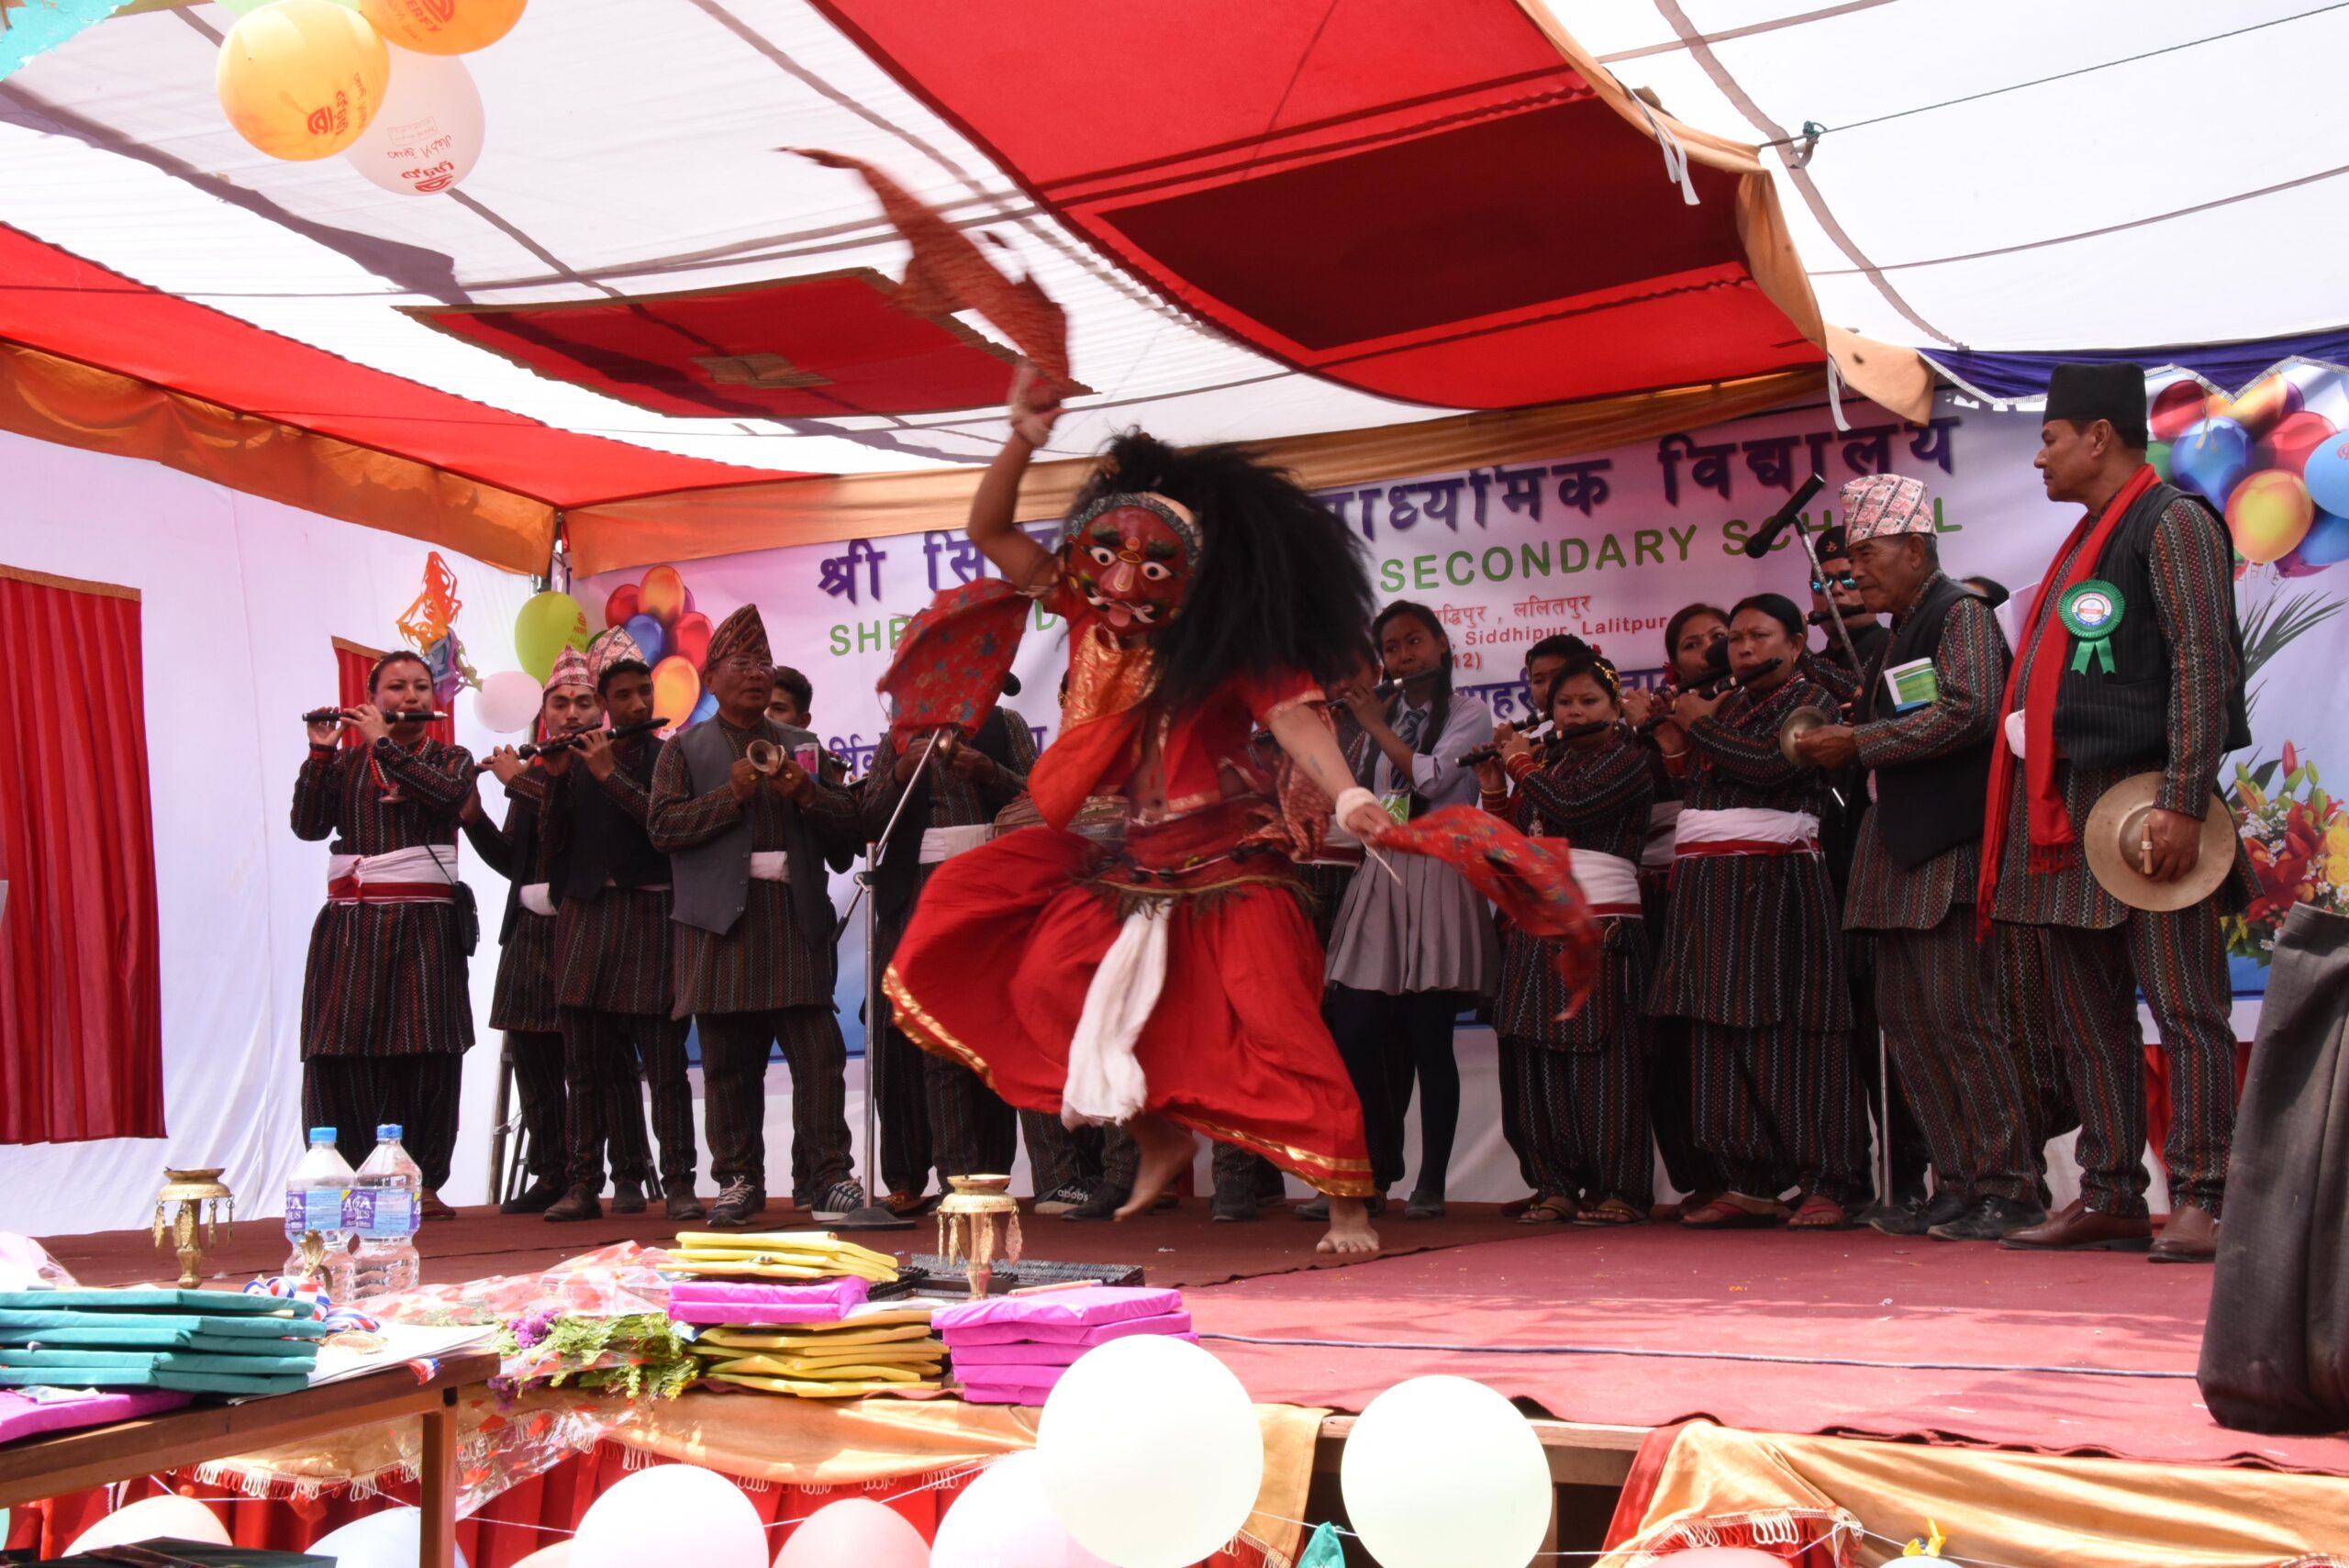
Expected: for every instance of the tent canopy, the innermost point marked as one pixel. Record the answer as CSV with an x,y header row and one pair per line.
x,y
1366,234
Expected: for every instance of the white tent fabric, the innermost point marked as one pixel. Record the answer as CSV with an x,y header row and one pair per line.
x,y
632,150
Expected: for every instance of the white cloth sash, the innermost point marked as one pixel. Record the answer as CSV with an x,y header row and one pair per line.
x,y
1610,884
537,897
432,867
770,865
940,845
1663,817
1105,1081
1744,825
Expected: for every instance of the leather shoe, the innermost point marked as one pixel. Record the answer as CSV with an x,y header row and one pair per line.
x,y
578,1203
681,1203
628,1196
1989,1220
2079,1228
536,1199
2189,1235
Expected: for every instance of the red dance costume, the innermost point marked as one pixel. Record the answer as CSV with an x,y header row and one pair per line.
x,y
995,968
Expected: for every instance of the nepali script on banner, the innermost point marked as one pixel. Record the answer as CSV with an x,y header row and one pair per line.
x,y
1606,546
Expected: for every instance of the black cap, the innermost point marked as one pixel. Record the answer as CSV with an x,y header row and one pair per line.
x,y
1828,542
1010,684
2086,392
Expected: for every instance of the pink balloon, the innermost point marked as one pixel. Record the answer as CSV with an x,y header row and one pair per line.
x,y
855,1533
1722,1557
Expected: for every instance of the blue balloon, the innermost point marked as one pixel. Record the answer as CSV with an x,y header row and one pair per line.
x,y
2326,542
647,636
705,708
2209,457
2327,473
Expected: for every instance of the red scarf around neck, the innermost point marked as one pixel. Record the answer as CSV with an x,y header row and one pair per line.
x,y
2053,844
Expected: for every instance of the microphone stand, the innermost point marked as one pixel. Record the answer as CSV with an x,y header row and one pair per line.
x,y
875,1214
1883,1053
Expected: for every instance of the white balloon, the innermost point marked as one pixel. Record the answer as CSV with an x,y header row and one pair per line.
x,y
1443,1473
1004,1520
555,1556
150,1518
670,1514
428,135
508,702
393,1538
1151,1454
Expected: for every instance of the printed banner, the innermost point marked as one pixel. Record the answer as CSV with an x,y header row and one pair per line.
x,y
1607,545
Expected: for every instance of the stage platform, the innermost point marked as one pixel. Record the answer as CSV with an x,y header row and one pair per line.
x,y
1609,1333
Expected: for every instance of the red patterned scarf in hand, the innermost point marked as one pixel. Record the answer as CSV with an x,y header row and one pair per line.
x,y
1531,880
2053,844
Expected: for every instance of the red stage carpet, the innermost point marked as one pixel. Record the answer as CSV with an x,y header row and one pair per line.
x,y
1854,1295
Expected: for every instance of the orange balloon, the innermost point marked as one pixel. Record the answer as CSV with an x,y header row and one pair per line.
x,y
2264,404
677,689
443,27
2269,513
661,595
301,79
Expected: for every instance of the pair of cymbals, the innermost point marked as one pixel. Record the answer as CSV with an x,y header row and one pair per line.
x,y
2115,844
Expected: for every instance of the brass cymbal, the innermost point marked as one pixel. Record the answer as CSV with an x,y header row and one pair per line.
x,y
1797,725
2114,837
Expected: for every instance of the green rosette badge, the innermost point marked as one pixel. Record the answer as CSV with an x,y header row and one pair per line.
x,y
2091,613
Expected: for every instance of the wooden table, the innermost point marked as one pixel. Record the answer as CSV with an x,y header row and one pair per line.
x,y
98,1456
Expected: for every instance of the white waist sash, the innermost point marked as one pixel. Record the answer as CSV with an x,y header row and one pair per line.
x,y
942,844
1663,817
1610,884
420,874
537,897
1744,830
770,865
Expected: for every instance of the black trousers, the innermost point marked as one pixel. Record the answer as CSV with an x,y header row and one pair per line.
x,y
1910,1152
604,1053
536,1060
898,1071
354,1095
734,1076
972,1131
1057,1155
1386,1041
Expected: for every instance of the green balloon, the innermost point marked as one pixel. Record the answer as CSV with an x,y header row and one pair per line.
x,y
2158,455
548,623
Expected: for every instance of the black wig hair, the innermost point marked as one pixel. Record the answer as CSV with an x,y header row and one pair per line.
x,y
1280,583
396,656
1680,619
1440,704
618,667
1779,608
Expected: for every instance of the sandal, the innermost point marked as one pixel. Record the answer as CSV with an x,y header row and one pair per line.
x,y
1614,1211
1821,1213
1725,1213
1551,1208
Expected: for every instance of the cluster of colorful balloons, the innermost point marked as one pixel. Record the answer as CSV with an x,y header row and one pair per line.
x,y
2277,470
658,615
377,80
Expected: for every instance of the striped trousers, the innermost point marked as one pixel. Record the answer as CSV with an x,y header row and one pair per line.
x,y
539,1084
354,1095
972,1131
1953,1058
604,1055
1777,1106
2028,991
2179,959
895,1067
1583,1120
1059,1155
734,1109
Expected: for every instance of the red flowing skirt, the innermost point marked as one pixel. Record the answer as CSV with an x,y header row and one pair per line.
x,y
993,969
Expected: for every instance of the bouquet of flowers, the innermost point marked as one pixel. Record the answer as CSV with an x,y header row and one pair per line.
x,y
2298,838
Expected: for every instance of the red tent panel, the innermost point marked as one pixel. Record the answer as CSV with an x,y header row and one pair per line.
x,y
1423,201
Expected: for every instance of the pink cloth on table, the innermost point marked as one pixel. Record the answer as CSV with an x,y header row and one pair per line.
x,y
22,1416
1027,1353
710,1304
1075,1335
1027,1390
1086,1306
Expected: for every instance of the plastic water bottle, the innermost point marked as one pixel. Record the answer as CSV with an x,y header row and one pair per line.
x,y
315,1195
382,1214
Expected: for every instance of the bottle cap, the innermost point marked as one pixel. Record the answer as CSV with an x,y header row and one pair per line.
x,y
390,1130
322,1135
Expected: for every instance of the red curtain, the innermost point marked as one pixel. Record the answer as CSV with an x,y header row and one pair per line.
x,y
352,663
81,990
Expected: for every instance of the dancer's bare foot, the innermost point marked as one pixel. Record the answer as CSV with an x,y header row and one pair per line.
x,y
1349,1228
1166,1152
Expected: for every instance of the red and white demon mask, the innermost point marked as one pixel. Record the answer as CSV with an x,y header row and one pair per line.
x,y
1131,556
